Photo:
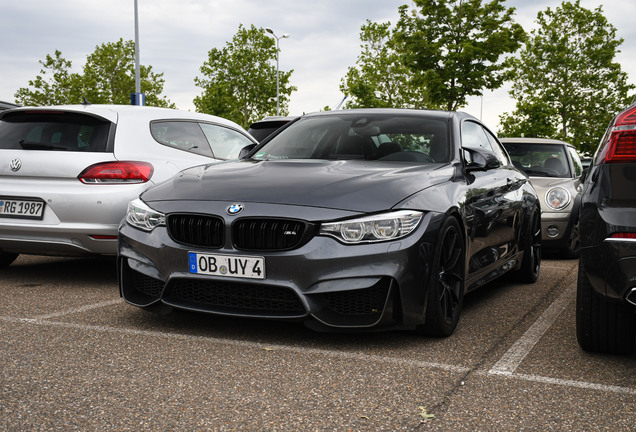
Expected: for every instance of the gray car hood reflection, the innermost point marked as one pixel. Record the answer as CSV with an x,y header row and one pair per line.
x,y
363,186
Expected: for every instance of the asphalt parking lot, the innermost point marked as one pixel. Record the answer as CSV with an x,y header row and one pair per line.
x,y
74,356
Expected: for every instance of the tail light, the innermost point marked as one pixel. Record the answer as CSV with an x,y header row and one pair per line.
x,y
117,173
624,236
622,139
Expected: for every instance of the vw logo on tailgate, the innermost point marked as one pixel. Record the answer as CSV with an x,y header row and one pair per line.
x,y
15,165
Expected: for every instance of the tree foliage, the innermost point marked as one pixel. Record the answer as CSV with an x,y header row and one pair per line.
x,y
566,82
380,79
55,85
454,48
108,77
239,80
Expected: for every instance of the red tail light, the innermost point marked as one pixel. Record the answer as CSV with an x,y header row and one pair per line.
x,y
622,141
631,236
117,172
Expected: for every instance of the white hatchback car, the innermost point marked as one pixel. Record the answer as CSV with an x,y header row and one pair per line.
x,y
69,172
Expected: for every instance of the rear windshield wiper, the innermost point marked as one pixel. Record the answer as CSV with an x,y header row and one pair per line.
x,y
27,145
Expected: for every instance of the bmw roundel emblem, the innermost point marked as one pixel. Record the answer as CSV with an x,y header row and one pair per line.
x,y
235,209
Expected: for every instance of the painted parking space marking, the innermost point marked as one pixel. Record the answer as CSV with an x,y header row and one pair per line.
x,y
522,347
77,310
504,368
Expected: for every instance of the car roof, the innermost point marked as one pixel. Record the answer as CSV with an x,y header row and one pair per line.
x,y
112,113
6,105
523,140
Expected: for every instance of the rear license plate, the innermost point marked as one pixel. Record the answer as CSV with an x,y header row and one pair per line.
x,y
21,208
227,265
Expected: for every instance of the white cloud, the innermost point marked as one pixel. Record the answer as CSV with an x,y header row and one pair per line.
x,y
176,35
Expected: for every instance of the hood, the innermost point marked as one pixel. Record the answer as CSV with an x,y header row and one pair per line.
x,y
544,183
363,186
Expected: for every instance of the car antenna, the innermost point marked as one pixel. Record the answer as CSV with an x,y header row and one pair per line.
x,y
84,101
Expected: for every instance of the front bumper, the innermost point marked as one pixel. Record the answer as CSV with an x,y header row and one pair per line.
x,y
322,282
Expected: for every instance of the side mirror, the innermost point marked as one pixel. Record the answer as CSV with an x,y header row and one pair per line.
x,y
480,159
246,150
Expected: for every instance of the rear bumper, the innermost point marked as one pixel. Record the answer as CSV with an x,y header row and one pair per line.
x,y
611,268
59,240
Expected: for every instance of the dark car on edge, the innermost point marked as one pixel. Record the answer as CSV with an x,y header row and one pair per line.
x,y
343,219
264,128
606,289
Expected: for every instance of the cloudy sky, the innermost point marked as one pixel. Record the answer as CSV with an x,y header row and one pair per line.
x,y
176,35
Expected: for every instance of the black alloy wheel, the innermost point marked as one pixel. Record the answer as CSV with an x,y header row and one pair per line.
x,y
531,244
574,243
446,283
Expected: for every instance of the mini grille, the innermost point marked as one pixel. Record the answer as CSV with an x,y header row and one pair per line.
x,y
267,234
196,230
235,297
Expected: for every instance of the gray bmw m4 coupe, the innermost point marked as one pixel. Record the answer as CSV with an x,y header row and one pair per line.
x,y
346,220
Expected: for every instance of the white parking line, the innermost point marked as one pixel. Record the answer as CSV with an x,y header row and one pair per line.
x,y
504,368
246,344
569,383
77,310
515,355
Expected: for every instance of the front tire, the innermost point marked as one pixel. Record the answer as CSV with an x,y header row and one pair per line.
x,y
446,282
574,244
602,325
531,244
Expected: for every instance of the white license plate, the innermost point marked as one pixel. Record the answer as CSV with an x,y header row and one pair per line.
x,y
19,208
227,265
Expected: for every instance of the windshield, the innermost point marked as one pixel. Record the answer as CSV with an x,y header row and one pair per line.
x,y
540,160
346,136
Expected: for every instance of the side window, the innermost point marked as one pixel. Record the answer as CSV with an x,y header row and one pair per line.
x,y
576,160
498,149
182,135
226,143
474,136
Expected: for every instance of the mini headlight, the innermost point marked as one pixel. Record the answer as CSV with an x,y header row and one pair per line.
x,y
143,217
376,228
557,198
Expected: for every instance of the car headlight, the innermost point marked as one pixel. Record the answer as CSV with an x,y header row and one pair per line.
x,y
143,217
557,198
376,228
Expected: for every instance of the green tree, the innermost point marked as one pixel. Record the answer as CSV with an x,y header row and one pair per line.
x,y
532,118
566,77
108,78
380,79
239,81
55,85
454,47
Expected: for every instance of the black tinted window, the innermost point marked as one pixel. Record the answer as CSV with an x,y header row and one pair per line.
x,y
57,131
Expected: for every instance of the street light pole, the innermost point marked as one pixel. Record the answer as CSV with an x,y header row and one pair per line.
x,y
284,36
